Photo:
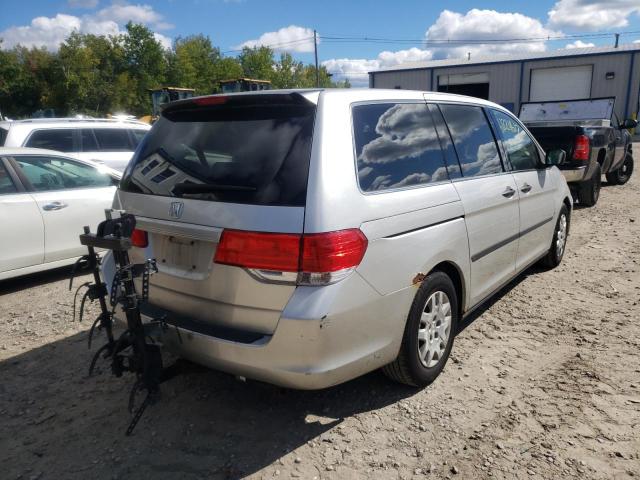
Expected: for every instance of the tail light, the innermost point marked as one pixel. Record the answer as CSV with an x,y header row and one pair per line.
x,y
139,238
311,259
581,148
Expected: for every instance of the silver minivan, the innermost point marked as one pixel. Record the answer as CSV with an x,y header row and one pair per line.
x,y
306,237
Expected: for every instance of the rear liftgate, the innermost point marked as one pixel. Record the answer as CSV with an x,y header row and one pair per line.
x,y
134,350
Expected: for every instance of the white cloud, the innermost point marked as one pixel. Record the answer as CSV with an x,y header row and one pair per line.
x,y
50,32
356,69
289,39
82,3
122,13
478,25
579,44
592,14
165,41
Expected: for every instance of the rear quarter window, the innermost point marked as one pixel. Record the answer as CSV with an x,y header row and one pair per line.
x,y
113,140
396,146
3,136
60,139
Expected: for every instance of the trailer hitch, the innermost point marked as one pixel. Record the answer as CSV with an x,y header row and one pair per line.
x,y
134,350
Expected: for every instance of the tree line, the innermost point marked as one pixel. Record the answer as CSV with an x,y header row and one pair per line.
x,y
98,75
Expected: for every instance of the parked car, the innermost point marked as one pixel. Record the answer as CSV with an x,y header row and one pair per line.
x,y
304,238
45,200
107,141
596,142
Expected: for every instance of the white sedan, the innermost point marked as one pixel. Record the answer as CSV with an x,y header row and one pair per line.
x,y
46,199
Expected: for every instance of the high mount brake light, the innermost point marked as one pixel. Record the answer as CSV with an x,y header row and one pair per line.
x,y
213,100
581,148
316,259
139,238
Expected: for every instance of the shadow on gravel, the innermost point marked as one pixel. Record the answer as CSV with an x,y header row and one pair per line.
x,y
32,280
58,422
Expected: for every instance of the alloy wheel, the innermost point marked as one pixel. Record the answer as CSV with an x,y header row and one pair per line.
x,y
434,329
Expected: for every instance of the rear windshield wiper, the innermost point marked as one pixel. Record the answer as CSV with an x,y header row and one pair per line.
x,y
187,188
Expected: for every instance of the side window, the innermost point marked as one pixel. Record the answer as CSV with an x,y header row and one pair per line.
x,y
112,139
473,139
137,136
396,146
6,184
522,152
3,136
55,173
453,167
60,139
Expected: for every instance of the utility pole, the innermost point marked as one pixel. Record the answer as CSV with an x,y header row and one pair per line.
x,y
617,40
315,52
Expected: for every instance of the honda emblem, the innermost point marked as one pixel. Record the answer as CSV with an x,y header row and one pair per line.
x,y
175,210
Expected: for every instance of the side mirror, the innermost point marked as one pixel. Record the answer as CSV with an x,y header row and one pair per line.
x,y
628,124
555,157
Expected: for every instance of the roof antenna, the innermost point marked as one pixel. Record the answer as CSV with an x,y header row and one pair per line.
x,y
468,55
617,40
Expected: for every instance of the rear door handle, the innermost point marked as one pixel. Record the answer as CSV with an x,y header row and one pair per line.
x,y
526,188
508,192
54,206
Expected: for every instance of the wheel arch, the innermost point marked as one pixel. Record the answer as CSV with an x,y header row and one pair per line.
x,y
454,272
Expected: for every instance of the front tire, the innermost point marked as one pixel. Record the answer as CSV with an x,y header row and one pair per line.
x,y
589,191
559,242
623,173
429,332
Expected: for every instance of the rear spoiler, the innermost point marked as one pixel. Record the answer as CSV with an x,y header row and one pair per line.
x,y
195,104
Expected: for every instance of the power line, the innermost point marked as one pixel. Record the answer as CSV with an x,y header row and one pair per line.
x,y
274,45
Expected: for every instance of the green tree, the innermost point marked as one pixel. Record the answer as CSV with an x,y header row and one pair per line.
x,y
257,62
193,64
287,73
146,64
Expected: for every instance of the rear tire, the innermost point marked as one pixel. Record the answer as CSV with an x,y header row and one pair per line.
x,y
622,174
559,241
429,332
589,191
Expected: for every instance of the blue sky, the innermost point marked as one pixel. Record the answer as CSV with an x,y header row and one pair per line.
x,y
288,24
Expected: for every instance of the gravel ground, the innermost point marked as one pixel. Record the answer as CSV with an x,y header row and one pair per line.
x,y
543,383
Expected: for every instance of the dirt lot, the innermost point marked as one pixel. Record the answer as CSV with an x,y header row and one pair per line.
x,y
543,383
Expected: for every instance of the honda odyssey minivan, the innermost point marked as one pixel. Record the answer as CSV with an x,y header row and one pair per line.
x,y
306,237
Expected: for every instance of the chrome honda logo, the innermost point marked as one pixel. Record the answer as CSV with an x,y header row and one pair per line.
x,y
176,208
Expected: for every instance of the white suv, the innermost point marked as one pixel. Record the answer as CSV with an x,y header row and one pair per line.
x,y
111,142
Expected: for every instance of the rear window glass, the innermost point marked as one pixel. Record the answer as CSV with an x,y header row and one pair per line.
x,y
240,152
137,136
112,139
396,146
60,139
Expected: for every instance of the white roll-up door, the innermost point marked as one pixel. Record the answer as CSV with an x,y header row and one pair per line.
x,y
560,83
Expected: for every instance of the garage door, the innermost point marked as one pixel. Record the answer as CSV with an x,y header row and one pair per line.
x,y
561,83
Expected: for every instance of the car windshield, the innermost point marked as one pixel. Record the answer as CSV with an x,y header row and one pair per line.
x,y
242,153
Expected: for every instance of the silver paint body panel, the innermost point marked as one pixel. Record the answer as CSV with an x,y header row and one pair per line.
x,y
314,337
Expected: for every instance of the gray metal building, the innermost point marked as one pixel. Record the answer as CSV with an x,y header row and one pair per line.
x,y
558,75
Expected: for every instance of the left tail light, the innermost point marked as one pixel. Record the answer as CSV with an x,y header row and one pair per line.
x,y
309,259
139,238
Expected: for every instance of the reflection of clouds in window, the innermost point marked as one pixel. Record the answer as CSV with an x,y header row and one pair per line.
x,y
363,172
517,142
380,182
488,161
406,132
440,175
413,179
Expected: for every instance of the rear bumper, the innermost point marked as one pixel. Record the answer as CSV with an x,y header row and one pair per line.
x,y
325,336
575,174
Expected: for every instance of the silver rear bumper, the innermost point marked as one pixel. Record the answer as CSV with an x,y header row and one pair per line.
x,y
324,337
